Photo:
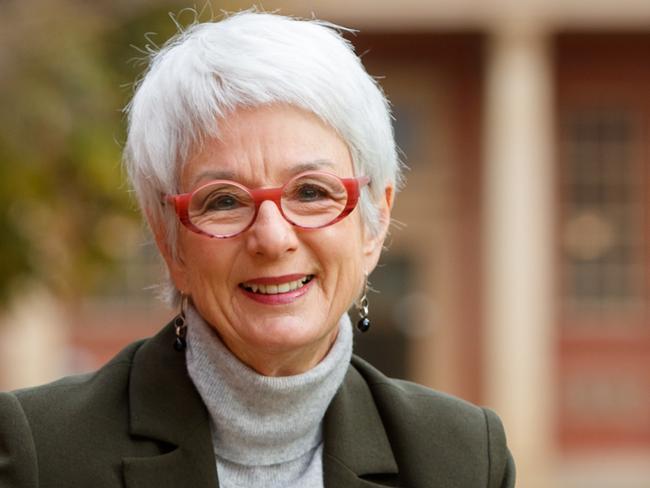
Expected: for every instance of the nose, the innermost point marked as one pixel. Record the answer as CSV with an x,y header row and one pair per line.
x,y
271,235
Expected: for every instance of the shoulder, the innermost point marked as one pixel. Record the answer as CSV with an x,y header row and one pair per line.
x,y
402,397
74,394
424,424
85,414
395,393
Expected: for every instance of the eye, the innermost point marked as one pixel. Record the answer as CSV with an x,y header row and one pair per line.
x,y
310,193
222,202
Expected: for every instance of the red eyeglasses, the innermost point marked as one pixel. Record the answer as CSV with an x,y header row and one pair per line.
x,y
310,200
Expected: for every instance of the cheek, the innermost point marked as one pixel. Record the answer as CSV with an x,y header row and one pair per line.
x,y
204,260
342,253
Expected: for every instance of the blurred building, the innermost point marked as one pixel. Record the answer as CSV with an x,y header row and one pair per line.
x,y
518,271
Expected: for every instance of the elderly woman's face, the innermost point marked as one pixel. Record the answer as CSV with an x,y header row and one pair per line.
x,y
275,331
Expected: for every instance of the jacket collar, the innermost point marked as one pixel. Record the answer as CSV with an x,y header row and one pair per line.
x,y
165,406
357,452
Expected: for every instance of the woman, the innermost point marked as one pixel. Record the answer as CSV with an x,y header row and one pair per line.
x,y
263,158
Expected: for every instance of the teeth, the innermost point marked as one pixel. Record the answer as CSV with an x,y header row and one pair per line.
x,y
275,289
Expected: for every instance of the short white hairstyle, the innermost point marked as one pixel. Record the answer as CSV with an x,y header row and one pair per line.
x,y
252,59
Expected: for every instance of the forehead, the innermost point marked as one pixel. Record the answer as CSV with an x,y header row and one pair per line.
x,y
267,145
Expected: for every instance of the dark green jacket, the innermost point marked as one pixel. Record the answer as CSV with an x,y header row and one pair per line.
x,y
138,422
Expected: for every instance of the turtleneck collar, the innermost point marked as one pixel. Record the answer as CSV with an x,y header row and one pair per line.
x,y
256,419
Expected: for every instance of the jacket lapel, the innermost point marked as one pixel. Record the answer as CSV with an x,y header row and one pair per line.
x,y
165,407
357,453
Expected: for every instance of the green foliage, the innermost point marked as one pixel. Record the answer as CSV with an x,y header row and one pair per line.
x,y
66,71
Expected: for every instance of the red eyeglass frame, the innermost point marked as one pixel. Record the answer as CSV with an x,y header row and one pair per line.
x,y
181,201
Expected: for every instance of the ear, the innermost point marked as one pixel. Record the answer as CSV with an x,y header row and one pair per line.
x,y
175,264
373,245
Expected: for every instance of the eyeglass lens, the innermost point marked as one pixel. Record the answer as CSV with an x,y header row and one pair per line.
x,y
310,201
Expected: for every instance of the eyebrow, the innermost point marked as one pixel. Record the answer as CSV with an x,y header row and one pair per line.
x,y
312,166
209,175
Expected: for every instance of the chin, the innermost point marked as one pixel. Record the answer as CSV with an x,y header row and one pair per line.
x,y
283,334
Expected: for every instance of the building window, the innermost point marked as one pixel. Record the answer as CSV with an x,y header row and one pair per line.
x,y
603,212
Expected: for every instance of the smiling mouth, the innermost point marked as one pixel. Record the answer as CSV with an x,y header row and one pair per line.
x,y
276,289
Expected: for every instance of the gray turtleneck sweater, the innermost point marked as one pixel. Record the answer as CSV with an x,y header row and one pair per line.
x,y
266,431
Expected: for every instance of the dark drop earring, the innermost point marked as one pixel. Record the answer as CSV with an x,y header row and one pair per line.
x,y
364,322
180,326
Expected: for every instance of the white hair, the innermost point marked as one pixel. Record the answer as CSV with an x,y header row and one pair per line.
x,y
251,59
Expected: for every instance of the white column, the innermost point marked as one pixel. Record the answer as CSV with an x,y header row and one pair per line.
x,y
518,222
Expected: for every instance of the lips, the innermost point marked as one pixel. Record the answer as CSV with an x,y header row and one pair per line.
x,y
276,286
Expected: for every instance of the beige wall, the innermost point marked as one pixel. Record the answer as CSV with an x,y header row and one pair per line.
x,y
410,14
